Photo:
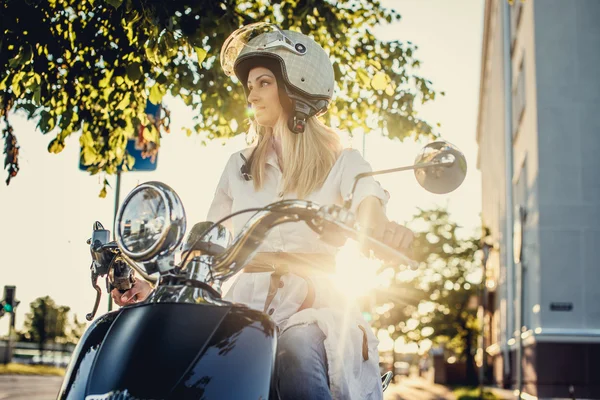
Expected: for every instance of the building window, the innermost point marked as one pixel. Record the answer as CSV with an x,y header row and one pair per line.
x,y
518,98
516,9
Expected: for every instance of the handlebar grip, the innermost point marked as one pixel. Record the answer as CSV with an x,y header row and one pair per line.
x,y
387,253
382,251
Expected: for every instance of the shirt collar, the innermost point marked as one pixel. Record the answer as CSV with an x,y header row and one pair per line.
x,y
272,158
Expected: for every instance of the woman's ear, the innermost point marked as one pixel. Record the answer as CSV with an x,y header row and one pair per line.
x,y
285,100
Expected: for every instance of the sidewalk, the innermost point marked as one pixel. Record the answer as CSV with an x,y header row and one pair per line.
x,y
417,389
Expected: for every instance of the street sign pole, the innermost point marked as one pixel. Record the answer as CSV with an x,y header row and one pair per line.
x,y
9,304
7,355
117,195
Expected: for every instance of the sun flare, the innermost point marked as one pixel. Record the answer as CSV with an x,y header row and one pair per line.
x,y
357,275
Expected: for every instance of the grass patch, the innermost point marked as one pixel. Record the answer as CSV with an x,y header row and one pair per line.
x,y
26,369
472,393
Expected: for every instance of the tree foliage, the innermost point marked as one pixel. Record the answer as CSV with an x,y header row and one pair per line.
x,y
436,302
48,321
90,66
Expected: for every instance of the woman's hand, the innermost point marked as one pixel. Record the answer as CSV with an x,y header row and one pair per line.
x,y
374,222
138,292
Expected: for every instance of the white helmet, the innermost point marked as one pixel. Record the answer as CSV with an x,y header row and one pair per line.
x,y
297,61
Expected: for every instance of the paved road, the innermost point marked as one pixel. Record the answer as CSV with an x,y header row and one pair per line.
x,y
27,387
24,387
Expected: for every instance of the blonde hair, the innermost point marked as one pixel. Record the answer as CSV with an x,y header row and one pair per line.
x,y
307,157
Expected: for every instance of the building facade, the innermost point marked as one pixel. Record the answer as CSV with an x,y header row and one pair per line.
x,y
543,311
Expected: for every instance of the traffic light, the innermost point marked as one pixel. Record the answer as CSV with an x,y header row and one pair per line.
x,y
9,303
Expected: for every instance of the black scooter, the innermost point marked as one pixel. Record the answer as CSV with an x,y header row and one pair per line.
x,y
184,341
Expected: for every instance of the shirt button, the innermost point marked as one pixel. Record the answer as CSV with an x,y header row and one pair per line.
x,y
271,311
280,195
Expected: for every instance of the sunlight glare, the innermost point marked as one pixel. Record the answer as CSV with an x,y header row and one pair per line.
x,y
386,343
356,275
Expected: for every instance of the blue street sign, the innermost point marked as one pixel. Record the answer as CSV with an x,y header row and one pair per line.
x,y
141,163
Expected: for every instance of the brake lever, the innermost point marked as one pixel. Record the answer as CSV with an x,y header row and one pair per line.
x,y
103,253
91,315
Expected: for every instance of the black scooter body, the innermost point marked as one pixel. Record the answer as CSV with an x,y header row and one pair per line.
x,y
174,351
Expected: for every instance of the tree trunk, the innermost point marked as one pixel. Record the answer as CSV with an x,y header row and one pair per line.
x,y
41,347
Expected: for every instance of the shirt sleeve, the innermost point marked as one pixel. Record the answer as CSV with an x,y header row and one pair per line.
x,y
354,164
222,201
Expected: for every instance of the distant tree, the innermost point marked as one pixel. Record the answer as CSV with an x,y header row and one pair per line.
x,y
396,303
75,330
46,322
90,66
436,302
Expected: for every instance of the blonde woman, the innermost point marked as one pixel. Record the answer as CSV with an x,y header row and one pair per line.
x,y
325,349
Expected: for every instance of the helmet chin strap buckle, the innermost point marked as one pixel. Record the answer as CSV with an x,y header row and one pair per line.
x,y
301,113
297,123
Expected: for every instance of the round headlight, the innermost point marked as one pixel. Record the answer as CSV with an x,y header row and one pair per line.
x,y
150,222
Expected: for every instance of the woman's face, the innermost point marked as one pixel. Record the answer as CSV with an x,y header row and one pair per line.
x,y
263,96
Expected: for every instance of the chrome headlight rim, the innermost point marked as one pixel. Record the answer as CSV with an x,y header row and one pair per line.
x,y
176,222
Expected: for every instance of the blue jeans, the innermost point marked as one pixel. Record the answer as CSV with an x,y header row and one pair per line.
x,y
301,365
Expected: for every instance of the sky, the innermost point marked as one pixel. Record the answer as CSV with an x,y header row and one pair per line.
x,y
48,211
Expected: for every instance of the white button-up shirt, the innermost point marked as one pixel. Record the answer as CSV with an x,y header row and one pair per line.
x,y
351,377
235,193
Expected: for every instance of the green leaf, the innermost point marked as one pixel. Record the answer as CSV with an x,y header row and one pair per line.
x,y
201,54
130,161
27,54
16,88
157,92
151,134
134,71
363,76
56,146
162,79
390,89
15,61
65,119
375,63
115,3
44,124
23,57
380,81
89,156
123,104
104,82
